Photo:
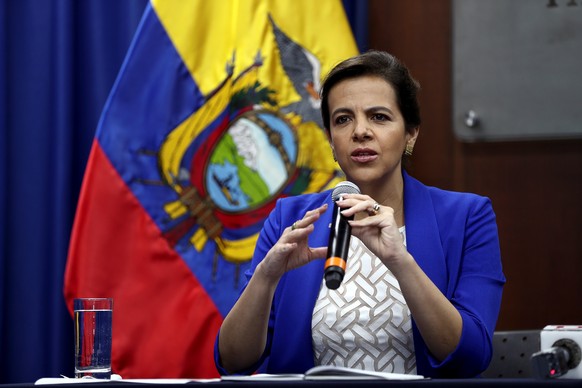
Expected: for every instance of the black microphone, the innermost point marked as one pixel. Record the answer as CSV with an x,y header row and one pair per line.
x,y
339,238
565,354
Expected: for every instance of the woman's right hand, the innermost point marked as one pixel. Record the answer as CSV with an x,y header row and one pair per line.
x,y
292,249
243,334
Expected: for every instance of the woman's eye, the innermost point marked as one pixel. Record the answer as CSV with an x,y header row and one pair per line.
x,y
341,119
380,117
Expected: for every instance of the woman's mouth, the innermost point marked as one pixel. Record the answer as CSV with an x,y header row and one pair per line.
x,y
364,155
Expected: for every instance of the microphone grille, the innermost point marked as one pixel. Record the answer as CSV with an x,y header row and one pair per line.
x,y
344,187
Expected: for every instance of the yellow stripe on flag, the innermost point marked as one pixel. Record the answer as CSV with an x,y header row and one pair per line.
x,y
223,27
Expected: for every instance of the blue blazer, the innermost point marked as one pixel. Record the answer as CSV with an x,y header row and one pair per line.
x,y
452,236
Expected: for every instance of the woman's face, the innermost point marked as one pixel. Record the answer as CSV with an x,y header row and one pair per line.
x,y
367,130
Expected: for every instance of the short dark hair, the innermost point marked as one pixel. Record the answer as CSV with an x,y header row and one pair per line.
x,y
385,66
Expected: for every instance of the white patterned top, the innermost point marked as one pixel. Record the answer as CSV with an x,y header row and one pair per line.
x,y
365,323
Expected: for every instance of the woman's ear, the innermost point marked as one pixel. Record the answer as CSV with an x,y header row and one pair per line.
x,y
411,136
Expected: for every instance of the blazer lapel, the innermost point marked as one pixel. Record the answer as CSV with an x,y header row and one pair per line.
x,y
422,231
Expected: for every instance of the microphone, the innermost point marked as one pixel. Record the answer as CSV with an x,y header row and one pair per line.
x,y
565,354
339,238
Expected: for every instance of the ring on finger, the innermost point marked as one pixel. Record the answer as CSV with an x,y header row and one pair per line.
x,y
294,226
375,209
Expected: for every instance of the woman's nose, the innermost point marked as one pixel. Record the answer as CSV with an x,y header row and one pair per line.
x,y
361,130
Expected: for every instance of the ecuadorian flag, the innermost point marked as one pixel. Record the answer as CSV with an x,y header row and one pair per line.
x,y
213,117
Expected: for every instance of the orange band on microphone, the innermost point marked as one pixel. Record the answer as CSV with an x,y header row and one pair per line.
x,y
335,261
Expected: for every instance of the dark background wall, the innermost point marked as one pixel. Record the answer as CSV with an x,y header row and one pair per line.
x,y
535,186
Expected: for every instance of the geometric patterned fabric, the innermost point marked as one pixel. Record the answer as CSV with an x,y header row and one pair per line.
x,y
365,323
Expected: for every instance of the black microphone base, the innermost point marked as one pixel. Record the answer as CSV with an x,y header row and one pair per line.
x,y
333,279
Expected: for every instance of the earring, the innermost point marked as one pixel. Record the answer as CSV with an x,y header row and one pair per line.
x,y
409,149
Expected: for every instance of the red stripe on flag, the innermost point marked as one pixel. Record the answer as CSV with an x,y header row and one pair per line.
x,y
161,311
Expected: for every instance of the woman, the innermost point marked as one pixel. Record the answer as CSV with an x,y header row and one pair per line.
x,y
423,286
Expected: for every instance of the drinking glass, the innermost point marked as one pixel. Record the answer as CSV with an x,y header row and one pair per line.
x,y
92,320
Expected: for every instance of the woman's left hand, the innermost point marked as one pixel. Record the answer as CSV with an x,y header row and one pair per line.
x,y
438,321
376,226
